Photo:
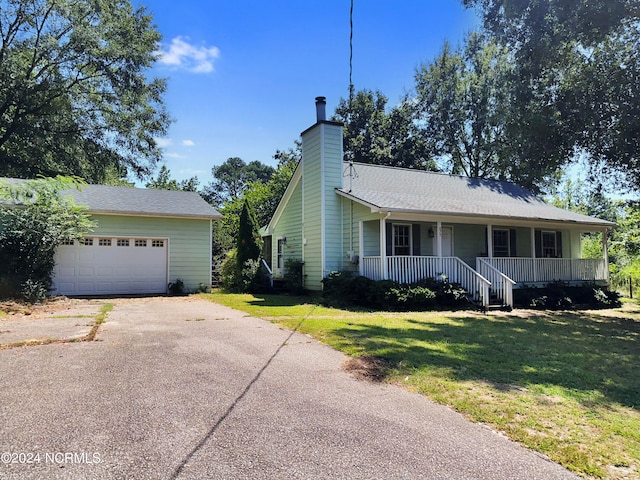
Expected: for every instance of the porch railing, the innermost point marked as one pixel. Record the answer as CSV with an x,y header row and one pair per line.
x,y
410,269
501,284
533,270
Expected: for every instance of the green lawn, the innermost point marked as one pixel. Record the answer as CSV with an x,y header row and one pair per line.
x,y
566,384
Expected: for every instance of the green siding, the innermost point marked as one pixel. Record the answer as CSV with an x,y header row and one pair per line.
x,y
189,242
334,251
312,198
289,226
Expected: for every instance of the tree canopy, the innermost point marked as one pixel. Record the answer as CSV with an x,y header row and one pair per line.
x,y
163,181
462,102
75,96
576,86
373,135
232,178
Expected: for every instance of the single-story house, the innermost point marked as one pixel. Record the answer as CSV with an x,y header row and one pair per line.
x,y
406,225
144,240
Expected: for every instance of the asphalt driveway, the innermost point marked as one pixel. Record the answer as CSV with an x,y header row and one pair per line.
x,y
183,388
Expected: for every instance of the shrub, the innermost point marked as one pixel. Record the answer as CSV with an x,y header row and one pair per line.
x,y
293,276
344,289
33,291
230,275
560,296
177,287
31,233
251,278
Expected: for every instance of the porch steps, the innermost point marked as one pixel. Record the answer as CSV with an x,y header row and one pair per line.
x,y
278,285
494,303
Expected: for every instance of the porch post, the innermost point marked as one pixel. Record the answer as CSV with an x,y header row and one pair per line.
x,y
360,247
439,245
490,241
533,254
383,248
605,253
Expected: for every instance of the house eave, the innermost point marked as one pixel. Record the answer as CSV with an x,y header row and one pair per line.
x,y
152,214
477,218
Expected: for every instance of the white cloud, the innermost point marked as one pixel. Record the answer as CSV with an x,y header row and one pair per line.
x,y
163,142
176,156
188,143
182,54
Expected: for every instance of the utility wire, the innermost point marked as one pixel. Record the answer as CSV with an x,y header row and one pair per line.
x,y
351,56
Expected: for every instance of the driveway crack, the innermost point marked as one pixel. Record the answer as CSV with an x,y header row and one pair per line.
x,y
231,408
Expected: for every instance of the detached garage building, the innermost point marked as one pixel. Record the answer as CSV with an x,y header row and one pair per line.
x,y
144,240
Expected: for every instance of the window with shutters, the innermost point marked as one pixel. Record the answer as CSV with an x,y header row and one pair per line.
x,y
549,245
500,243
401,239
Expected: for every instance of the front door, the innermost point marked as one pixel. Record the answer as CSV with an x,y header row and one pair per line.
x,y
447,242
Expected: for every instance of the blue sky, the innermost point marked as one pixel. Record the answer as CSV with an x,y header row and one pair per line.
x,y
243,75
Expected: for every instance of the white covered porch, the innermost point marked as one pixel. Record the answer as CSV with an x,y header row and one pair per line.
x,y
494,277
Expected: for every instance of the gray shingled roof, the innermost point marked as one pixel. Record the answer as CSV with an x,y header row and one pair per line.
x,y
140,201
406,190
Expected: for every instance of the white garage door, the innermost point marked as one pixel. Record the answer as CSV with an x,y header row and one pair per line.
x,y
101,265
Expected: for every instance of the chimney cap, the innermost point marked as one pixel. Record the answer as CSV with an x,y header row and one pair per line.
x,y
321,110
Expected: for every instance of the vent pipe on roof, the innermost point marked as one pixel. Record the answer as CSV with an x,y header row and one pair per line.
x,y
321,108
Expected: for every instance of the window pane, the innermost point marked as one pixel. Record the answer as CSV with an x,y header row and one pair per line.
x,y
402,239
501,243
549,249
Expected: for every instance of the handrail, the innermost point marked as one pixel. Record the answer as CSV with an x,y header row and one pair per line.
x,y
485,284
506,282
266,266
495,270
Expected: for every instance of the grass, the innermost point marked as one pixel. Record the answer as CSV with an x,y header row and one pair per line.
x,y
565,384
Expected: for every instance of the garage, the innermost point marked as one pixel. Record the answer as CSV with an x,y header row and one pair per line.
x,y
111,265
142,240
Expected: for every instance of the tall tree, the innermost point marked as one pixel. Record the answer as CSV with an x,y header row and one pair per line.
x,y
164,182
371,135
232,178
464,99
248,238
75,95
576,82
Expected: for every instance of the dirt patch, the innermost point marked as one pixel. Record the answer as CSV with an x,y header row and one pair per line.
x,y
366,367
50,306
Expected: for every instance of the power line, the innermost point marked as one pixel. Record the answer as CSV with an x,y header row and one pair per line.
x,y
350,55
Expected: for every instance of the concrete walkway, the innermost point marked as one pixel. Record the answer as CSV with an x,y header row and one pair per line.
x,y
183,388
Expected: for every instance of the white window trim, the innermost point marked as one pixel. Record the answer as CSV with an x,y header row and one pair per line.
x,y
555,243
508,232
393,239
